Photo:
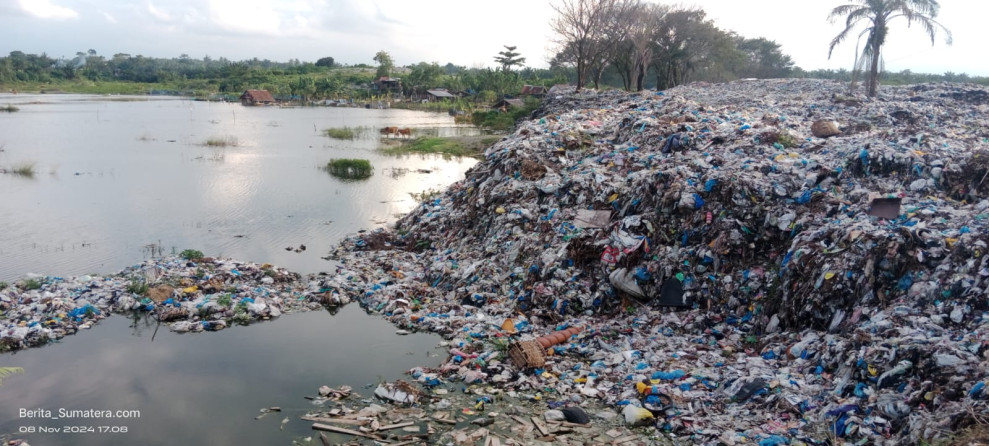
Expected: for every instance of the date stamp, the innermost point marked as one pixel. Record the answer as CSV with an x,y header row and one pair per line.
x,y
72,429
75,421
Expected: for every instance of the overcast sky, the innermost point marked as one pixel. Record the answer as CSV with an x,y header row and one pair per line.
x,y
465,32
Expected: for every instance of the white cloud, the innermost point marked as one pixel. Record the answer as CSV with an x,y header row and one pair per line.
x,y
44,9
159,14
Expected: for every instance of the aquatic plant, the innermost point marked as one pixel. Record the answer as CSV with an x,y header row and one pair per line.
x,y
31,284
7,371
221,141
138,286
25,169
456,146
351,168
346,132
191,254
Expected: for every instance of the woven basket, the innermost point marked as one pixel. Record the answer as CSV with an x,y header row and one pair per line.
x,y
527,354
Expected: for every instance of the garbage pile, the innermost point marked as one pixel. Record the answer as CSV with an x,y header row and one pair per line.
x,y
188,295
826,250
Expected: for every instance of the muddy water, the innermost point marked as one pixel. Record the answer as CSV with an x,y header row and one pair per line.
x,y
205,388
115,175
116,178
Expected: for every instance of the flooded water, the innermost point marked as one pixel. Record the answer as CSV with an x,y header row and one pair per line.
x,y
205,388
113,175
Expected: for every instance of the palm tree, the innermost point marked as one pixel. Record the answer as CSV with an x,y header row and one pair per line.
x,y
877,14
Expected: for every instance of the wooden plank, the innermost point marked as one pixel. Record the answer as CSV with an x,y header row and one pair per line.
x,y
340,430
539,425
444,421
346,421
396,426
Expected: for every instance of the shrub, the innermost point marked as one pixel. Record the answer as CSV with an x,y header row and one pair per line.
x,y
191,254
350,168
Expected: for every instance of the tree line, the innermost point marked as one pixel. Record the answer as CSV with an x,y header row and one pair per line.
x,y
628,44
320,80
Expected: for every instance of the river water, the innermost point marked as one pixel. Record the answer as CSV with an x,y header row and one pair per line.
x,y
116,177
115,174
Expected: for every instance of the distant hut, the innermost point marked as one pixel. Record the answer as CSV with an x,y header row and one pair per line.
x,y
533,90
439,93
506,104
257,97
388,84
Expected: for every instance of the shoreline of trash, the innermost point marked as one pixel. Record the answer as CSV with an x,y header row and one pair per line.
x,y
825,252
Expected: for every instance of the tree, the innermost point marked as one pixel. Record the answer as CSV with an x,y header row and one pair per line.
x,y
587,30
424,76
325,62
765,59
509,58
385,64
877,14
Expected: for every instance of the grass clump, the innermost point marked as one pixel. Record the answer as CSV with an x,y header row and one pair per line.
x,y
350,168
9,108
138,286
191,254
426,195
31,284
22,169
345,132
456,145
218,141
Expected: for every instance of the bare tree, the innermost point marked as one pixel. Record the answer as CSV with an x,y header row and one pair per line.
x,y
589,31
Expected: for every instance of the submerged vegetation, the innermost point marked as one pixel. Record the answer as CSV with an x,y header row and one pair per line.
x,y
25,169
224,141
346,132
350,168
7,371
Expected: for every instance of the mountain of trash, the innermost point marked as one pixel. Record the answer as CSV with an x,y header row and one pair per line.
x,y
828,245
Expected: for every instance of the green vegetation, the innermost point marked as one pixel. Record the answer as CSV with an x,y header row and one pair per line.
x,y
503,120
877,14
346,132
456,146
191,254
31,284
138,286
25,169
9,108
350,168
7,371
225,141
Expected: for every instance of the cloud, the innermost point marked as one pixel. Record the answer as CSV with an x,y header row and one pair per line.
x,y
44,9
159,14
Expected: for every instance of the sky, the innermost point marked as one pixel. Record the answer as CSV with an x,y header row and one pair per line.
x,y
465,32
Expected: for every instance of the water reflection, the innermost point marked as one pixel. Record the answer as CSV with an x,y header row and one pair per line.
x,y
134,172
205,388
